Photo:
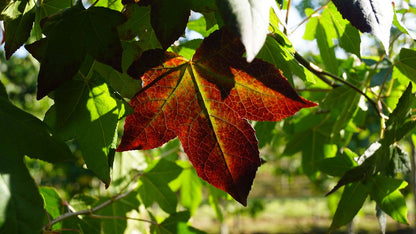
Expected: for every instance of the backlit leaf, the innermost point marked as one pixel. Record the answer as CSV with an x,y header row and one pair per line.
x,y
53,203
206,103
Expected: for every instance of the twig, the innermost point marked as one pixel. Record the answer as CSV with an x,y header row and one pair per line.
x,y
121,217
323,74
287,15
88,211
96,1
308,17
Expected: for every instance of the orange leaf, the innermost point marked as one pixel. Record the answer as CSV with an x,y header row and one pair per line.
x,y
206,103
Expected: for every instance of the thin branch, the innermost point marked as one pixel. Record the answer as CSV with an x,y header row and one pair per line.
x,y
96,1
323,74
287,16
308,17
122,217
88,211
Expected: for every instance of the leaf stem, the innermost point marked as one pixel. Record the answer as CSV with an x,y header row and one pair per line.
x,y
321,74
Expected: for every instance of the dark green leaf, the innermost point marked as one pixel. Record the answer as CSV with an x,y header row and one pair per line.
x,y
47,8
264,132
337,166
24,134
86,111
70,35
138,25
168,19
385,191
18,20
352,200
21,206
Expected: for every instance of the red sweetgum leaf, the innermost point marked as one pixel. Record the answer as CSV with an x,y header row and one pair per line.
x,y
206,103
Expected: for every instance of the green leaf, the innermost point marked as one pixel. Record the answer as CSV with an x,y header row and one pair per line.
x,y
249,19
18,20
278,51
168,19
24,134
155,187
313,142
112,4
190,186
200,26
264,132
47,8
326,46
385,191
70,36
21,206
86,111
120,82
53,203
401,26
352,200
138,25
349,37
407,63
176,223
337,166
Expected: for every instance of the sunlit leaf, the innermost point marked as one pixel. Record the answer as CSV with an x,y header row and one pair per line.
x,y
385,191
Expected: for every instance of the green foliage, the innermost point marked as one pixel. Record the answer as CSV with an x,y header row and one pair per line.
x,y
92,54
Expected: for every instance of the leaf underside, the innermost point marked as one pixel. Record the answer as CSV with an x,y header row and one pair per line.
x,y
206,103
